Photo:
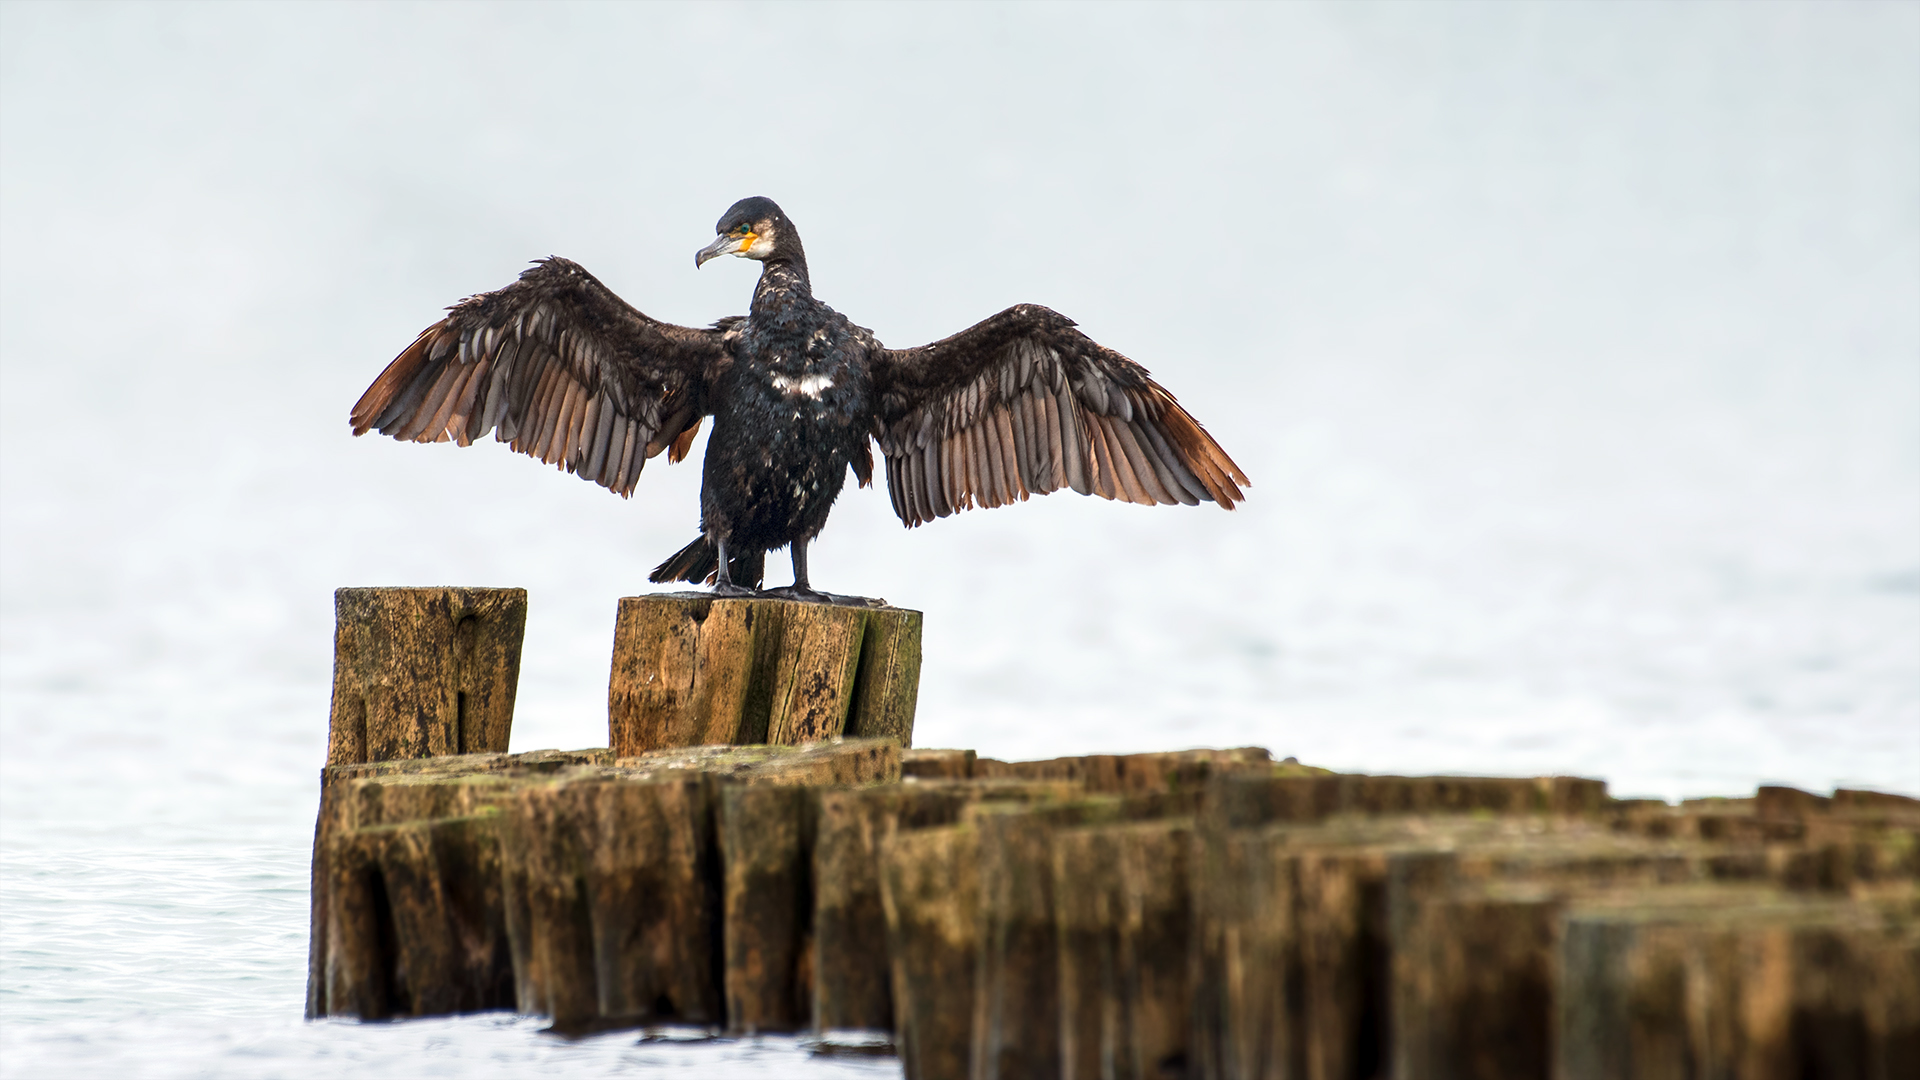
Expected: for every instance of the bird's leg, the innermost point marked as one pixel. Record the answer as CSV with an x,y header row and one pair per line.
x,y
801,590
723,581
799,552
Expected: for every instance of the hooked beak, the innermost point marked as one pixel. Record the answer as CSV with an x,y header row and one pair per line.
x,y
725,245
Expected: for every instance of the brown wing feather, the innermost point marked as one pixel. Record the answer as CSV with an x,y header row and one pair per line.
x,y
559,368
1013,452
683,442
1024,404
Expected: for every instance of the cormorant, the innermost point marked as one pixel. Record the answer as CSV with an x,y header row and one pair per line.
x,y
1022,404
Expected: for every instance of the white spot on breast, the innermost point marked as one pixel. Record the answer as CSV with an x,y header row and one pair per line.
x,y
810,385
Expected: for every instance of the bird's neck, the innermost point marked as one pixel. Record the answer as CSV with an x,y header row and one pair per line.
x,y
783,280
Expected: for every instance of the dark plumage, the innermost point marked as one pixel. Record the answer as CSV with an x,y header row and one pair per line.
x,y
1021,404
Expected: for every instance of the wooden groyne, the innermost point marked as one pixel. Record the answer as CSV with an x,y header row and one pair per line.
x,y
1210,913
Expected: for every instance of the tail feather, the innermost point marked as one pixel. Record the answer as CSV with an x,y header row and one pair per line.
x,y
699,562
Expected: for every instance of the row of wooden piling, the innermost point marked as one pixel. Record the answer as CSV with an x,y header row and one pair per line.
x,y
1275,925
1205,914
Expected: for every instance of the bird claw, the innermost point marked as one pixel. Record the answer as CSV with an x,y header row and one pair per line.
x,y
809,596
730,589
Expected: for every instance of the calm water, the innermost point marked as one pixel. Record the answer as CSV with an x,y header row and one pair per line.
x,y
1574,352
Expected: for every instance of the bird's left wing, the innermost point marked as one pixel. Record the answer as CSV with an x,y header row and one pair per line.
x,y
561,369
1024,404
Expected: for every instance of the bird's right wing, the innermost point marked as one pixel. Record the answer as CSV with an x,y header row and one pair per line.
x,y
558,367
1023,404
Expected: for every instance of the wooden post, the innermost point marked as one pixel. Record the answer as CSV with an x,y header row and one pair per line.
x,y
372,861
851,980
930,891
1124,913
1016,1022
1244,952
693,670
424,672
417,673
1086,913
1767,989
625,903
1340,908
852,990
766,846
1017,1011
416,920
613,901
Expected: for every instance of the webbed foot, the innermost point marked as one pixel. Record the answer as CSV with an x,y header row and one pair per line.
x,y
811,596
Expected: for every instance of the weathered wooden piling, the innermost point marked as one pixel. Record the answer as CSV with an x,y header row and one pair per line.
x,y
1207,914
605,887
1123,908
853,989
1752,987
931,894
766,842
417,674
424,672
1005,928
351,874
415,921
1018,1019
620,897
690,669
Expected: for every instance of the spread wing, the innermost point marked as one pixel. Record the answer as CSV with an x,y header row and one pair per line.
x,y
558,367
1023,404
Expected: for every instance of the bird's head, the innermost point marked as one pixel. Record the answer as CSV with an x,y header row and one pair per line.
x,y
752,229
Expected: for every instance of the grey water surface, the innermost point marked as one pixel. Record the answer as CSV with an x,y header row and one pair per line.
x,y
1573,350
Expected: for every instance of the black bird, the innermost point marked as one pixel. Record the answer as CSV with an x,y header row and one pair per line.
x,y
1022,404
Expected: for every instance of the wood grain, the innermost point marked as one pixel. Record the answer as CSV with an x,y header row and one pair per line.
x,y
690,669
424,672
